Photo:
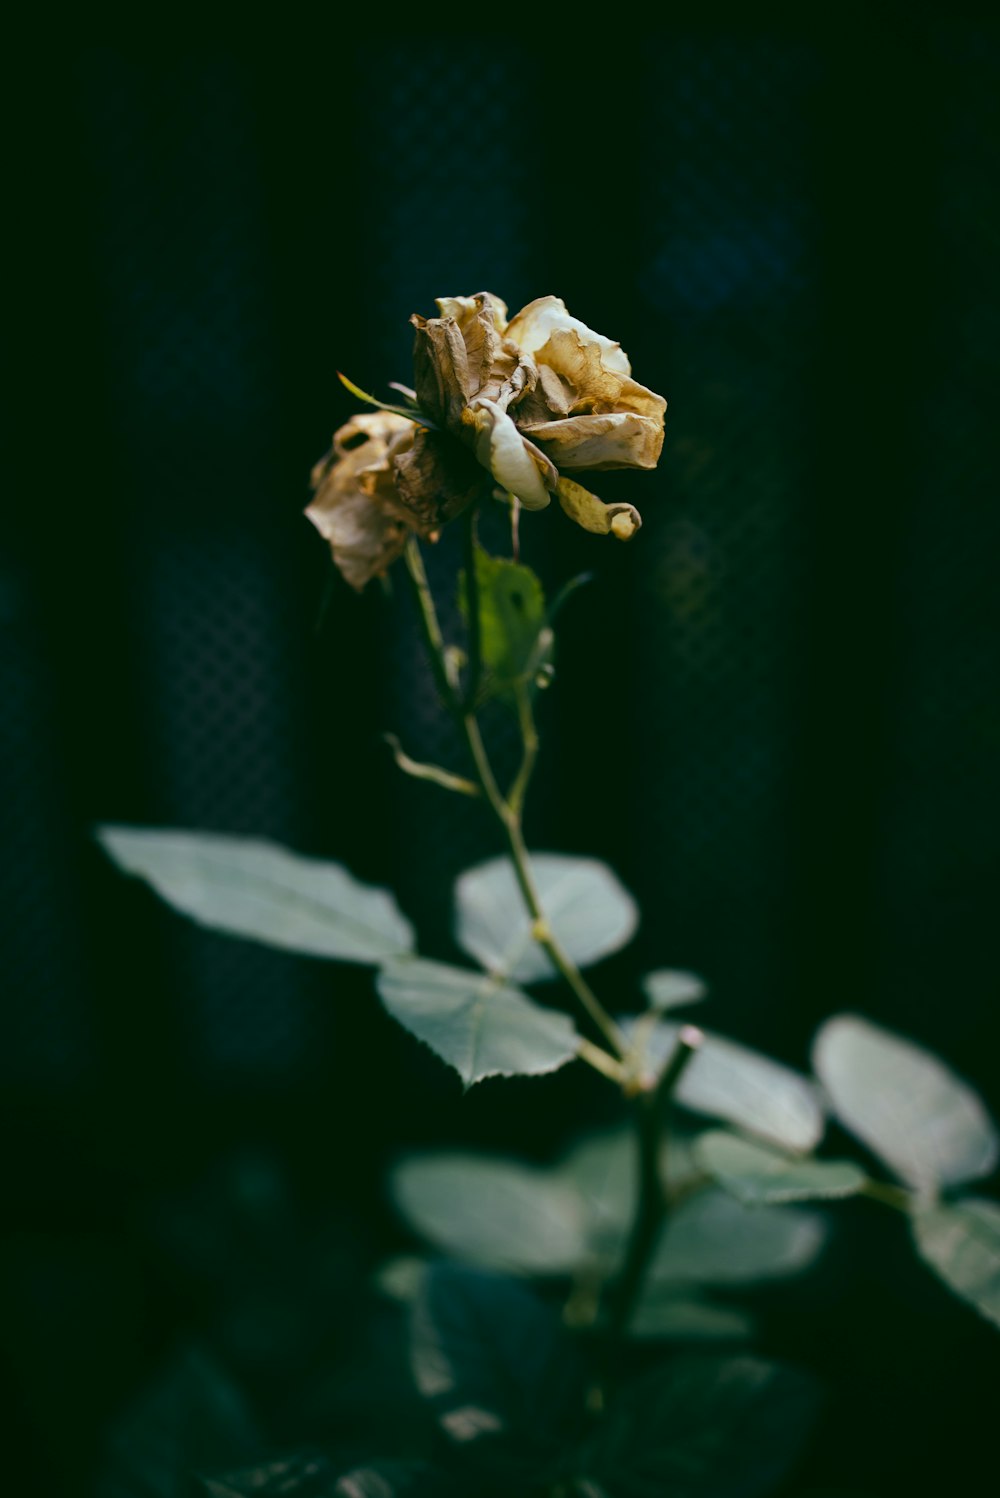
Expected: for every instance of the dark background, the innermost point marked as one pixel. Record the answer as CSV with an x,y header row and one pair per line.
x,y
776,713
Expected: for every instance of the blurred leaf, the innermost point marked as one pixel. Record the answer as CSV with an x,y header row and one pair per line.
x,y
726,1080
191,1418
670,988
588,910
497,1213
257,890
961,1243
299,1476
397,1479
511,618
481,1028
498,1370
758,1174
664,1315
704,1427
928,1126
712,1238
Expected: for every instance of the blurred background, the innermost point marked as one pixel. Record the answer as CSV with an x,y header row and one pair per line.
x,y
775,714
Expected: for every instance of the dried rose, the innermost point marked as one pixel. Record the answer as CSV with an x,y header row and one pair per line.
x,y
383,478
356,507
535,395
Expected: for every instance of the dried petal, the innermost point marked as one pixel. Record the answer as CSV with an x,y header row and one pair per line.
x,y
618,520
516,464
612,439
435,479
356,507
534,325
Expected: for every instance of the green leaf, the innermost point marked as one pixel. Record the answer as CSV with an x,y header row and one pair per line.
x,y
928,1126
263,892
662,1315
480,1027
410,412
730,1081
511,619
961,1243
500,1374
392,1479
712,1239
589,911
670,988
497,1213
701,1426
192,1417
758,1174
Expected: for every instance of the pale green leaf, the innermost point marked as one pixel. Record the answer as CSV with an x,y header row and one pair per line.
x,y
263,892
726,1080
671,988
663,1315
712,1239
928,1126
758,1174
961,1242
588,910
499,1374
497,1213
480,1027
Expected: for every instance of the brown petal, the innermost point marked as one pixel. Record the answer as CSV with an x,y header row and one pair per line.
x,y
435,479
615,439
356,508
440,369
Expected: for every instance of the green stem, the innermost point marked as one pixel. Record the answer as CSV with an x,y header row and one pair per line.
x,y
650,1115
506,813
472,610
429,627
529,738
889,1196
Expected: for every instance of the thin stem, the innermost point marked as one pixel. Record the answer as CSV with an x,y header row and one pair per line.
x,y
509,816
529,738
597,1057
472,610
650,1115
889,1196
430,629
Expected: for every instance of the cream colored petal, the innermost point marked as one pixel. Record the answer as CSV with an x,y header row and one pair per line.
x,y
534,325
620,521
464,306
580,366
364,540
635,397
514,463
614,439
378,428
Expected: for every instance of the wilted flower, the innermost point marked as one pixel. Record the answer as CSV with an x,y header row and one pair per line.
x,y
536,395
516,403
383,478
